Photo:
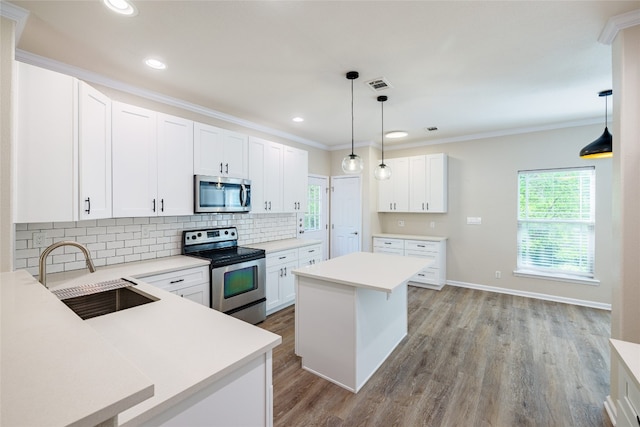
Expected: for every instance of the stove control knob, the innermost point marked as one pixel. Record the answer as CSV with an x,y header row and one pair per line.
x,y
226,231
233,233
199,235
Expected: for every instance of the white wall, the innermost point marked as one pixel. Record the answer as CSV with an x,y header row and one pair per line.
x,y
483,183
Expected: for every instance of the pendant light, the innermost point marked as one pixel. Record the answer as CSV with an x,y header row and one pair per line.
x,y
603,146
352,164
383,171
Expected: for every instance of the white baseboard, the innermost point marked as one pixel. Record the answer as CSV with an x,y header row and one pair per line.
x,y
610,407
535,295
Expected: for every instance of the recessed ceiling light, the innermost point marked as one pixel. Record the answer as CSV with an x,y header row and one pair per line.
x,y
123,7
155,63
298,119
396,134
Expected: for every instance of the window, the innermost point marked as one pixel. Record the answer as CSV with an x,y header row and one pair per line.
x,y
312,217
556,222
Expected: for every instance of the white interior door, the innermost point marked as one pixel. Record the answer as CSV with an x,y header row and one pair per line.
x,y
316,219
346,215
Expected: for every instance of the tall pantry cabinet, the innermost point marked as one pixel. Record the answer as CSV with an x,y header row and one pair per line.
x,y
63,171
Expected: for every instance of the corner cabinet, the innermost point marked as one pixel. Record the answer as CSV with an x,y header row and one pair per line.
x,y
63,148
219,152
296,171
434,249
190,283
417,184
152,163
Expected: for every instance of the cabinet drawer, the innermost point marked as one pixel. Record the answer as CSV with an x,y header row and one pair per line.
x,y
428,275
388,243
420,245
179,279
314,251
282,257
433,256
385,250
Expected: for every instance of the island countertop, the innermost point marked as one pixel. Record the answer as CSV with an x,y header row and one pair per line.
x,y
377,271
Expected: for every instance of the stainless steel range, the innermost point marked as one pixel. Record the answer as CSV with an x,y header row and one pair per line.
x,y
237,273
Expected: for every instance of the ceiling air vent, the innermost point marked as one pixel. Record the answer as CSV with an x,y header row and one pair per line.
x,y
379,84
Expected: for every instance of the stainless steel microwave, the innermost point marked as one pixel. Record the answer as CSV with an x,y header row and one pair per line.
x,y
221,194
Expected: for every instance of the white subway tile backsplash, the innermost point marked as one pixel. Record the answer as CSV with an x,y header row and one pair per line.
x,y
118,240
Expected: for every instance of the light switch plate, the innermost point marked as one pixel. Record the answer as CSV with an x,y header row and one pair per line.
x,y
474,220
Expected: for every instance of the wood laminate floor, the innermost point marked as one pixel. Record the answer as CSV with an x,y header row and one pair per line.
x,y
471,358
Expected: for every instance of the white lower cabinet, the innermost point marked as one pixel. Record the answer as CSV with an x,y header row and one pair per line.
x,y
628,404
432,277
280,283
191,283
309,255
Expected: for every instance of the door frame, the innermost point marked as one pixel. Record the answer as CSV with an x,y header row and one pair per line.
x,y
331,228
325,213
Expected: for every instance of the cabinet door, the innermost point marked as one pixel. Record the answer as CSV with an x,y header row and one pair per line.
x,y
207,150
385,193
273,287
417,184
235,147
134,148
94,142
197,294
175,165
400,180
46,149
287,282
295,180
257,165
436,182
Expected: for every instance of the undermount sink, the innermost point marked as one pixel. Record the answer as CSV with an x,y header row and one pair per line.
x,y
103,298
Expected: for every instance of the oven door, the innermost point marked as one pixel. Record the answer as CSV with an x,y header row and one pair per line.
x,y
238,285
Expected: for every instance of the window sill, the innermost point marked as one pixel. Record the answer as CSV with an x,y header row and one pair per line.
x,y
557,277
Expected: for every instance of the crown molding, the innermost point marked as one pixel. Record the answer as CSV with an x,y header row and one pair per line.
x,y
15,13
498,133
96,78
617,23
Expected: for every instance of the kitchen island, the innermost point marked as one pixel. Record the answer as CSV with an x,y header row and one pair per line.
x,y
168,362
351,313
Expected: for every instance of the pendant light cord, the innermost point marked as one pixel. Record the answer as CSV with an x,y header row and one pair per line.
x,y
382,131
351,117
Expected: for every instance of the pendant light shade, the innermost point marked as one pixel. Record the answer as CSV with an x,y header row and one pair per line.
x,y
603,146
352,164
383,171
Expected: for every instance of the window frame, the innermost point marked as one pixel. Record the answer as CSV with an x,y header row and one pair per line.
x,y
524,269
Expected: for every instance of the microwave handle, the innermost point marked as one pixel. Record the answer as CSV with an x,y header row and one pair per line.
x,y
243,195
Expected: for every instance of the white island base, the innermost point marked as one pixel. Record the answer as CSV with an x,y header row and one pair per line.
x,y
351,313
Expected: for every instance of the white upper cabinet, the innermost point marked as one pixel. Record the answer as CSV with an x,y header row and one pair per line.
x,y
428,183
135,177
296,167
152,163
94,139
393,193
266,175
220,152
63,149
417,184
47,146
175,165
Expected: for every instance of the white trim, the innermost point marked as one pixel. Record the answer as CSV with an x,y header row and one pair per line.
x,y
617,23
556,277
545,297
92,77
611,409
497,133
17,14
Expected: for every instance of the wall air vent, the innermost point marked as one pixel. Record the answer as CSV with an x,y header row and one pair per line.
x,y
379,84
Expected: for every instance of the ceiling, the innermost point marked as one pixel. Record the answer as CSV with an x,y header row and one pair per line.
x,y
469,68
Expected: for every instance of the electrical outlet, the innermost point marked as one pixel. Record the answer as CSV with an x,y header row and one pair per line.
x,y
498,274
146,230
39,239
400,223
432,224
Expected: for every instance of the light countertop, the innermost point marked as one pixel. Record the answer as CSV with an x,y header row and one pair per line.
x,y
409,237
378,271
282,245
630,355
56,370
146,358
